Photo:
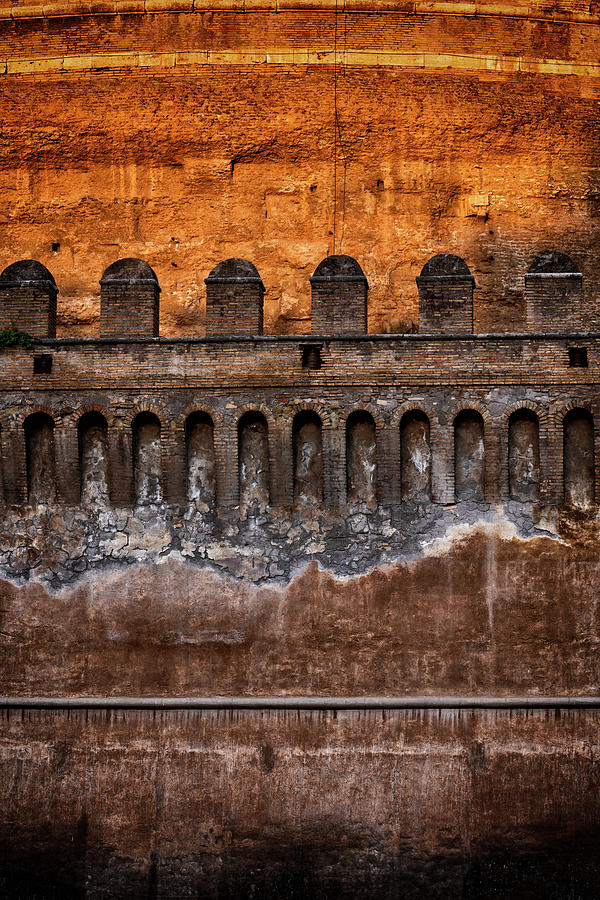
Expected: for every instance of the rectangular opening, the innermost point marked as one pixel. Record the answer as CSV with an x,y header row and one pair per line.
x,y
578,357
42,364
311,356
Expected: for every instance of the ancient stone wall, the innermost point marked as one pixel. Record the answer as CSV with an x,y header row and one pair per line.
x,y
519,390
283,135
354,547
299,804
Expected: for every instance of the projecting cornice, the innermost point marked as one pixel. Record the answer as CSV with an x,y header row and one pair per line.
x,y
533,10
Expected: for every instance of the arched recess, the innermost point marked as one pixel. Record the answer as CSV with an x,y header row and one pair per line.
x,y
524,456
92,431
578,458
415,456
200,459
469,456
361,458
307,443
41,459
147,461
253,461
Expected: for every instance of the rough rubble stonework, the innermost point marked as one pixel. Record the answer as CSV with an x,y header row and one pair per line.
x,y
327,428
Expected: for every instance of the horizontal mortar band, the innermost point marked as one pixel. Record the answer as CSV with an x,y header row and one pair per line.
x,y
300,703
190,59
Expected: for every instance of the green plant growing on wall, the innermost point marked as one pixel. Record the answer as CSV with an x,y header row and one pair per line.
x,y
14,337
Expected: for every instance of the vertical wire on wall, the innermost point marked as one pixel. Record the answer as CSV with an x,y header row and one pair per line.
x,y
337,132
335,123
339,127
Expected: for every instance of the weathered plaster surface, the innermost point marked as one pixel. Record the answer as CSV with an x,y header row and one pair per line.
x,y
300,805
461,600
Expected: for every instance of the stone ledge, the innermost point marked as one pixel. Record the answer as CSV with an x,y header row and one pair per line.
x,y
66,9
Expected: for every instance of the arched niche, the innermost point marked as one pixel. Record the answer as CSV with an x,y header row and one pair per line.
x,y
147,459
524,456
415,456
578,458
92,430
308,459
253,461
469,456
41,459
361,458
200,459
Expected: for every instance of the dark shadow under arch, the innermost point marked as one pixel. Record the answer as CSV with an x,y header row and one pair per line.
x,y
361,458
415,456
307,443
254,470
41,458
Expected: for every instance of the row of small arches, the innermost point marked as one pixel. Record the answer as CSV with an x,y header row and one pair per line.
x,y
254,458
131,270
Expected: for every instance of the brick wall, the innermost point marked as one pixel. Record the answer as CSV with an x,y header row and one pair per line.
x,y
553,302
554,294
28,298
129,295
224,379
339,297
445,305
234,299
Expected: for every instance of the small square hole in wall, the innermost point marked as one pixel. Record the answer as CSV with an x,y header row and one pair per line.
x,y
42,364
578,357
311,356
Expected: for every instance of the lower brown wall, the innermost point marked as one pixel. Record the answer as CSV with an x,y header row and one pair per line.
x,y
299,804
486,614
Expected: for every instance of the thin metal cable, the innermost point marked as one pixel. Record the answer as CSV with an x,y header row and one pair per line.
x,y
339,126
335,124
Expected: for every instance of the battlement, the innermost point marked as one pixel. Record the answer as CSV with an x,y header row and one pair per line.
x,y
129,298
241,420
